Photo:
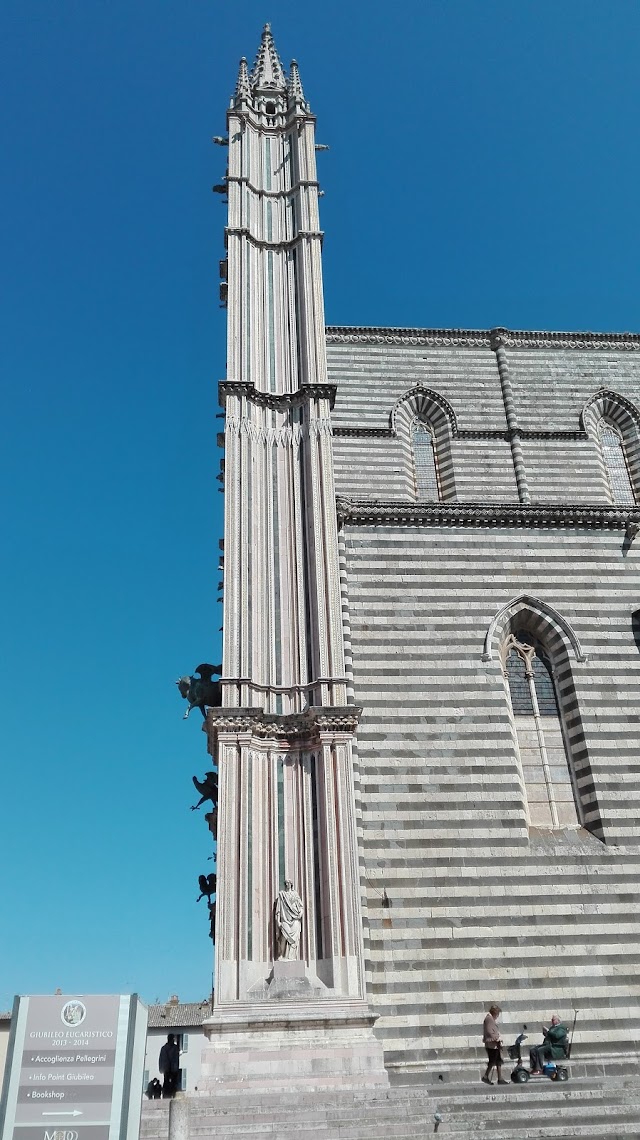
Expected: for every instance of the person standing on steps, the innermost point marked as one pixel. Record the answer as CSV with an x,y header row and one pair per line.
x,y
492,1043
169,1065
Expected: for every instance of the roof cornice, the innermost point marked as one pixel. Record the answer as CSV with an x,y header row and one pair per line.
x,y
371,512
481,338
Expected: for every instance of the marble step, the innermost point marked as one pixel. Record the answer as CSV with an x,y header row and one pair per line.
x,y
581,1108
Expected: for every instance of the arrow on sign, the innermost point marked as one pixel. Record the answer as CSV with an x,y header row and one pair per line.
x,y
69,1112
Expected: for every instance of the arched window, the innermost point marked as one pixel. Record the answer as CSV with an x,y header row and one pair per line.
x,y
425,424
615,462
539,729
425,461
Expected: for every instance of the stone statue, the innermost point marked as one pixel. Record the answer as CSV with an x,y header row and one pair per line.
x,y
208,789
207,884
212,823
201,691
212,920
288,915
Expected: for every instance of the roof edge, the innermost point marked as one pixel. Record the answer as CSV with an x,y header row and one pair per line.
x,y
353,334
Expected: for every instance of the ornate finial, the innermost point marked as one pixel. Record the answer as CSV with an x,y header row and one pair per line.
x,y
267,70
243,89
294,86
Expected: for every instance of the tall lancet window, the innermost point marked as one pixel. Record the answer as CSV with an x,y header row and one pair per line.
x,y
425,461
540,734
615,462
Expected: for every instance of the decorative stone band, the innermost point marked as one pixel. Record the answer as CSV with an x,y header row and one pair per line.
x,y
464,433
293,727
338,334
375,513
301,184
261,243
282,400
294,119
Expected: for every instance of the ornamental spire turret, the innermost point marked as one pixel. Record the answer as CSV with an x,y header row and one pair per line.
x,y
294,86
243,88
267,70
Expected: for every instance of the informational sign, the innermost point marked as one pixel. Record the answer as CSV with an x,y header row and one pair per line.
x,y
74,1069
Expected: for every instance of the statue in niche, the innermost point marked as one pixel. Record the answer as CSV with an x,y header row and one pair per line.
x,y
208,789
288,916
201,691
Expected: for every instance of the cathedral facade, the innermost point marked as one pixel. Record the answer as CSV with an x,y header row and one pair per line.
x,y
431,660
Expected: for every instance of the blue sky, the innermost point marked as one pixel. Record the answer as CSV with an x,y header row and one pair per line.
x,y
483,170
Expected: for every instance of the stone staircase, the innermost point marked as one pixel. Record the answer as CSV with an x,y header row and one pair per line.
x,y
590,1107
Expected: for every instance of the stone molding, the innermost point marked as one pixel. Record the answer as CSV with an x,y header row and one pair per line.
x,y
301,184
329,1012
475,514
466,433
480,338
293,118
278,401
262,243
289,727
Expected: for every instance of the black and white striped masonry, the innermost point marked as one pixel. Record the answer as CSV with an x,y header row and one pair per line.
x,y
467,901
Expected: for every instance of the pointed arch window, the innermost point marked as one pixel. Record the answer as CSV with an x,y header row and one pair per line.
x,y
615,463
425,460
540,733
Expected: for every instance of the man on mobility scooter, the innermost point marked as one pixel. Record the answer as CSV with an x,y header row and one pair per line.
x,y
542,1058
554,1046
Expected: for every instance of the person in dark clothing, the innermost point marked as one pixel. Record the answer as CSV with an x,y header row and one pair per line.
x,y
554,1045
154,1089
169,1065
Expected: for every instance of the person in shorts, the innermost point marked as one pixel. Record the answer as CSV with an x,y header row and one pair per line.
x,y
492,1043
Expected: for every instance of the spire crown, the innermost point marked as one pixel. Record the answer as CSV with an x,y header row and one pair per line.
x,y
267,69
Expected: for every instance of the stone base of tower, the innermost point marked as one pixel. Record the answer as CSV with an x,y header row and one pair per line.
x,y
325,1045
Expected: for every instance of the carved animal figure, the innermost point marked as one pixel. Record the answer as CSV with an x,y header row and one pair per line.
x,y
207,884
208,789
201,692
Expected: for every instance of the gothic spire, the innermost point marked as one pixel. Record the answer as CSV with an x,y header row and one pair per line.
x,y
243,89
267,70
294,86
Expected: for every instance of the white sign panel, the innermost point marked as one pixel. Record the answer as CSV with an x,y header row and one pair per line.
x,y
74,1070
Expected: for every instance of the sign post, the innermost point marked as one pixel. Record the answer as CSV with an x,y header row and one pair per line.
x,y
74,1069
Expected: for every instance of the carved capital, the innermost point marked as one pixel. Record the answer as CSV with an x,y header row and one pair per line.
x,y
280,401
292,728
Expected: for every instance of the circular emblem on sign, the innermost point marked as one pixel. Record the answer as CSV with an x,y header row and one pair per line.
x,y
73,1012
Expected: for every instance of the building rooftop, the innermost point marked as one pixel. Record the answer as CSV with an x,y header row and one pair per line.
x,y
178,1014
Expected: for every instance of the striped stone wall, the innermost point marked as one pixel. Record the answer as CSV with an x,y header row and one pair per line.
x,y
465,901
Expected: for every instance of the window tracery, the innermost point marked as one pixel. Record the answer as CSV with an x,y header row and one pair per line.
x,y
543,755
615,462
425,460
